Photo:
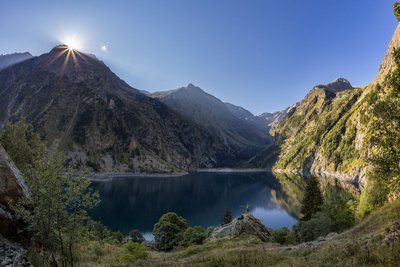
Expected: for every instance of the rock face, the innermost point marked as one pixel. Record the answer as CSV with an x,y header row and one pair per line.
x,y
246,224
12,189
82,108
12,255
393,235
388,63
12,184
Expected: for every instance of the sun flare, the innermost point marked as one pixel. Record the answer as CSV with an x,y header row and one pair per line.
x,y
73,43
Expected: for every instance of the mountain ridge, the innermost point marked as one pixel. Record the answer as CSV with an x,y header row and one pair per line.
x,y
82,108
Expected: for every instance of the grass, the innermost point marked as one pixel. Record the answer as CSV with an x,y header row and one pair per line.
x,y
359,246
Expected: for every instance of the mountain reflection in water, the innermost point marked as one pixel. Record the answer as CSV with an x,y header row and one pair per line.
x,y
138,202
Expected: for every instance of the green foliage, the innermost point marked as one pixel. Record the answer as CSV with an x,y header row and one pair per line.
x,y
133,251
136,236
384,139
56,214
396,10
22,144
194,236
318,225
168,231
312,200
283,236
228,217
209,230
374,195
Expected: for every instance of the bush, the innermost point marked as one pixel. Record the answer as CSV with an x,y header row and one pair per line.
x,y
193,236
168,231
319,225
283,236
133,252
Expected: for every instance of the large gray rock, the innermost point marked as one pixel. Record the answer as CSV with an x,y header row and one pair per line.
x,y
393,235
12,189
246,224
12,184
12,255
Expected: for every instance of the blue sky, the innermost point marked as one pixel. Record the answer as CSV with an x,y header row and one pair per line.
x,y
263,55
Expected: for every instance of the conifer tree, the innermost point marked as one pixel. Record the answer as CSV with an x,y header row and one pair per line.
x,y
312,200
228,217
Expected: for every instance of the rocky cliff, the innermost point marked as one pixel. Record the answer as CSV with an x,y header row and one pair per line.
x,y
326,132
12,189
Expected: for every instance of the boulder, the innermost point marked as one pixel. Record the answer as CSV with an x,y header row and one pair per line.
x,y
12,189
246,224
12,254
393,235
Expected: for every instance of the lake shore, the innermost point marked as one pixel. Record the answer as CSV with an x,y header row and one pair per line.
x,y
109,176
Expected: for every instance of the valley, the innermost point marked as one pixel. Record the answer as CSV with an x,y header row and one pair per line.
x,y
96,172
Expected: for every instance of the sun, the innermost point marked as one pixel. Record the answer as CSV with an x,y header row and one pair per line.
x,y
73,43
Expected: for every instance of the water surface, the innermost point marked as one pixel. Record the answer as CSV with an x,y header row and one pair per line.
x,y
138,202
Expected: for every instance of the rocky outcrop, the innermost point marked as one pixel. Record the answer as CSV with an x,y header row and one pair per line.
x,y
12,189
387,63
393,235
12,255
12,184
246,224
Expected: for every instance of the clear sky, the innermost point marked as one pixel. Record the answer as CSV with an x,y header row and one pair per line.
x,y
263,55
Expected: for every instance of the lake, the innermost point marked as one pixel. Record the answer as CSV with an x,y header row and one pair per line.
x,y
138,202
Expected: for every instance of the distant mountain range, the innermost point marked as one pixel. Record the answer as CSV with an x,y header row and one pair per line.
x,y
82,108
237,137
11,59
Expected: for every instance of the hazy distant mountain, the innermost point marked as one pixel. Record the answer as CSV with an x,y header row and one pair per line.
x,y
84,109
246,115
271,120
11,59
238,139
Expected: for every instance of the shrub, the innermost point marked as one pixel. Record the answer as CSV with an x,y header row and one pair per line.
x,y
168,231
133,252
193,236
283,236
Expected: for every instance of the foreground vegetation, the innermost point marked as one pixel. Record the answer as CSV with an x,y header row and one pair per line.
x,y
359,246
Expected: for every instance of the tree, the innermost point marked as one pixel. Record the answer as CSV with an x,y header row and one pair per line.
x,y
396,10
22,144
385,134
168,231
228,217
312,200
193,236
56,214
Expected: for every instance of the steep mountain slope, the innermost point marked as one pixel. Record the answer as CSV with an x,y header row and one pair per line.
x,y
239,139
272,120
320,133
84,109
245,115
11,59
327,131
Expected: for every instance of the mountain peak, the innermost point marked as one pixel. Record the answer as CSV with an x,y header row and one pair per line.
x,y
338,85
